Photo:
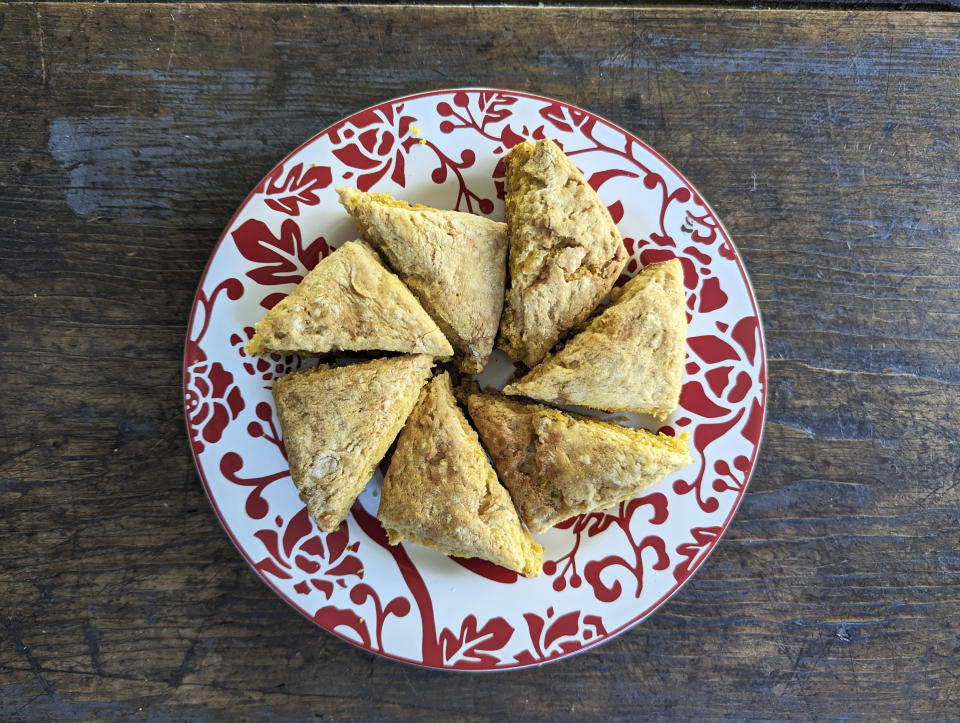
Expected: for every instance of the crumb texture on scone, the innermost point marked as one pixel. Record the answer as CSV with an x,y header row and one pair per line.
x,y
565,250
441,492
349,301
596,464
506,429
455,264
337,424
629,358
558,465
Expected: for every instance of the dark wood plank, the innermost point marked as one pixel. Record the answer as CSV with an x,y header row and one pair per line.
x,y
768,4
827,141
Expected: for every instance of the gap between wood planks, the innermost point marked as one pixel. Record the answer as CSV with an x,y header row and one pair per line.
x,y
838,5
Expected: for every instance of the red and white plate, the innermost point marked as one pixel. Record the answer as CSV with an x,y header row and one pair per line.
x,y
603,572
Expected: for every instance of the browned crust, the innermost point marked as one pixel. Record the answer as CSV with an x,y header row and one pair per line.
x,y
565,250
349,301
338,423
558,465
629,358
453,262
441,491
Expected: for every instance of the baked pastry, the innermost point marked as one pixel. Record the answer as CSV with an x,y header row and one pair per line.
x,y
565,250
338,423
442,493
455,264
559,465
629,358
349,301
597,464
506,429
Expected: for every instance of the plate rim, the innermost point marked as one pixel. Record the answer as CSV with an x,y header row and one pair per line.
x,y
762,348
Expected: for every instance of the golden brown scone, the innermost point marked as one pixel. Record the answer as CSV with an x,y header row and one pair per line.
x,y
597,464
559,465
349,301
506,429
455,264
629,358
337,424
565,250
442,493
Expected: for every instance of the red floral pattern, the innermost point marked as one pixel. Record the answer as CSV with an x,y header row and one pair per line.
x,y
554,636
267,368
473,647
376,142
298,186
265,427
256,506
383,597
491,108
466,198
282,260
598,522
298,548
212,401
694,552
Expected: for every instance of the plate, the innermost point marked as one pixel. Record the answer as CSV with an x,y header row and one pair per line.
x,y
603,572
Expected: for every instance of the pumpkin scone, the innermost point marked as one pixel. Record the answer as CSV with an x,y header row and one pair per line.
x,y
596,464
565,250
558,465
338,423
505,426
629,358
442,493
455,264
349,301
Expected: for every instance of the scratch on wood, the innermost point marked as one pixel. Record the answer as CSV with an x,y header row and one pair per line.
x,y
31,661
174,16
177,679
92,636
43,51
656,65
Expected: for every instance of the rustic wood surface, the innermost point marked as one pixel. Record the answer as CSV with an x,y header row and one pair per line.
x,y
827,141
792,5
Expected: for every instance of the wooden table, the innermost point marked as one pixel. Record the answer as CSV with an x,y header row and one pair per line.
x,y
827,140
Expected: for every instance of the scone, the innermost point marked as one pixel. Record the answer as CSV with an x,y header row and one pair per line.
x,y
629,358
442,493
565,250
349,302
337,424
505,427
597,464
455,264
559,465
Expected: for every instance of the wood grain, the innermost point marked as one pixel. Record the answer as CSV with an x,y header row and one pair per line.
x,y
767,4
827,141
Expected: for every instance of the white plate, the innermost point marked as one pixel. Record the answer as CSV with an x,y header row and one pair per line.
x,y
603,572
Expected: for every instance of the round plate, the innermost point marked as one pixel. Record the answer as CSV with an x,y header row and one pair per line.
x,y
603,572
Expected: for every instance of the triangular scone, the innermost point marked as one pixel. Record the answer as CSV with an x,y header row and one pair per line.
x,y
596,464
349,301
442,493
506,429
628,359
455,264
337,424
560,465
565,250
